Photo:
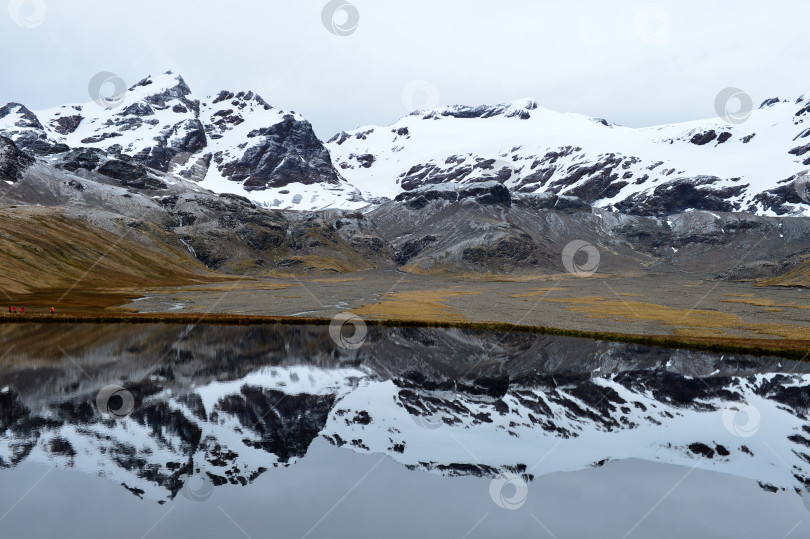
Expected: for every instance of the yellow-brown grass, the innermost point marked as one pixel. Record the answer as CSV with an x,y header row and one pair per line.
x,y
799,276
694,322
48,257
329,263
427,305
762,302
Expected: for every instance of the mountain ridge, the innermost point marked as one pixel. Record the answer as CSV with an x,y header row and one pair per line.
x,y
720,164
238,143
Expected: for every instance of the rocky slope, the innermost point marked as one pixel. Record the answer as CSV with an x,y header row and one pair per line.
x,y
717,165
125,223
165,219
482,227
226,403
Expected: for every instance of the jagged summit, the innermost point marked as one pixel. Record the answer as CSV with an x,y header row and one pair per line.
x,y
229,142
162,82
516,109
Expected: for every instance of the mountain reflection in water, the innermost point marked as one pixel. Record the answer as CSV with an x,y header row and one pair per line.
x,y
193,407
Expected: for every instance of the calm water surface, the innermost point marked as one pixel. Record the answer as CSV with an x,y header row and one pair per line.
x,y
276,431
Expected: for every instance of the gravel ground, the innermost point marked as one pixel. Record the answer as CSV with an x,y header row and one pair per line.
x,y
492,300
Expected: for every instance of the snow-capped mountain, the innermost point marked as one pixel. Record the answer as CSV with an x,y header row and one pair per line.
x,y
237,143
711,164
229,143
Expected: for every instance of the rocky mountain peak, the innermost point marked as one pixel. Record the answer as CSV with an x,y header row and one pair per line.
x,y
232,142
167,84
22,126
516,109
20,116
240,99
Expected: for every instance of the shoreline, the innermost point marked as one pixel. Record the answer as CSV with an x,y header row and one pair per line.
x,y
784,348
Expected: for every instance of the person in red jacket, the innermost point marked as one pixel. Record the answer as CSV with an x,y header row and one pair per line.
x,y
23,310
15,310
52,310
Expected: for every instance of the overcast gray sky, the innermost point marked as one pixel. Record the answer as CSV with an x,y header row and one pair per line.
x,y
633,62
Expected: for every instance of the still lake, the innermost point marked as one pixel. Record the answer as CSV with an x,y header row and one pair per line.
x,y
277,431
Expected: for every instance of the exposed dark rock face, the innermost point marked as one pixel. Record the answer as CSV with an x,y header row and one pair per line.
x,y
288,152
702,139
340,138
123,170
724,136
543,169
66,125
601,177
365,160
683,194
517,250
187,136
130,174
800,150
769,102
486,193
412,248
776,199
86,158
550,201
12,161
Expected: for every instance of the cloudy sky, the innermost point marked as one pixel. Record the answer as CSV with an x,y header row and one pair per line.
x,y
633,62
